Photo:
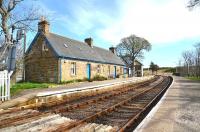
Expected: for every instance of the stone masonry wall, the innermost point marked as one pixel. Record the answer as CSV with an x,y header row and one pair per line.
x,y
41,65
81,70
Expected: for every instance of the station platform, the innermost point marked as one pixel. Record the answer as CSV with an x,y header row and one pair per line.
x,y
30,94
177,111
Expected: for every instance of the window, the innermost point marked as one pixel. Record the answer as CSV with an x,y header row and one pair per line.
x,y
44,47
109,70
73,68
98,69
125,70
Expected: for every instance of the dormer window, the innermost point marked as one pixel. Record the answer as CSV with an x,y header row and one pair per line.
x,y
44,47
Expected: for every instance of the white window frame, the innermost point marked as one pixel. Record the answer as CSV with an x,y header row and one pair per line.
x,y
44,47
73,69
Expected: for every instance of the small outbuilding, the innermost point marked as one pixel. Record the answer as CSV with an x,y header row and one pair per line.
x,y
138,68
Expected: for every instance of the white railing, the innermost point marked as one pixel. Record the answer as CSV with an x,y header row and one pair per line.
x,y
4,85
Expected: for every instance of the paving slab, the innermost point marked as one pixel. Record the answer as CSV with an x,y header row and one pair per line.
x,y
178,110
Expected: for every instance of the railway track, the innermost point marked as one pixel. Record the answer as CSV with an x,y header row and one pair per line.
x,y
120,110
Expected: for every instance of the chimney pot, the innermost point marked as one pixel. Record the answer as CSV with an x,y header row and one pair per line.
x,y
112,49
43,26
89,41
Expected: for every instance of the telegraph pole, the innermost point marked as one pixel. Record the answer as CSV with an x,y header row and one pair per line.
x,y
24,34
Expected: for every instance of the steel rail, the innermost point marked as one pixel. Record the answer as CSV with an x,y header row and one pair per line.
x,y
54,103
64,127
133,119
113,94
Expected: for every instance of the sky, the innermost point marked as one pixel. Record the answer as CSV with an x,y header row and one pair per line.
x,y
168,25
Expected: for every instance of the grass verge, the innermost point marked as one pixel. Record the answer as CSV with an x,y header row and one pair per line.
x,y
194,78
18,87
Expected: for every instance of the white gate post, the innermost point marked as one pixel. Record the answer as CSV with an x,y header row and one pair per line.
x,y
4,85
142,72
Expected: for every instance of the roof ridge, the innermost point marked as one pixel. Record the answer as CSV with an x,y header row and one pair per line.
x,y
101,48
76,40
66,37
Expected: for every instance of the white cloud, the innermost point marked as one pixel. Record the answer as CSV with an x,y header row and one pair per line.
x,y
83,18
160,23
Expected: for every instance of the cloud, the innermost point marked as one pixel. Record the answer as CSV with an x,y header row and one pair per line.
x,y
160,23
84,18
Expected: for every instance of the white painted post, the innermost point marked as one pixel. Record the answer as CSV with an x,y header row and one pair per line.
x,y
4,85
142,73
9,75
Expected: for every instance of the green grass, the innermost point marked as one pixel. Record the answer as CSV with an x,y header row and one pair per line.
x,y
194,78
18,87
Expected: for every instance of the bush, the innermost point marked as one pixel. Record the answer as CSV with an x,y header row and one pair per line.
x,y
117,76
73,81
98,78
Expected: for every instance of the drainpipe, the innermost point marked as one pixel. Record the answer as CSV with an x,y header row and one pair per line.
x,y
60,70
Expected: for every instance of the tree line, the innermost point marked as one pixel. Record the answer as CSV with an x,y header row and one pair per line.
x,y
189,64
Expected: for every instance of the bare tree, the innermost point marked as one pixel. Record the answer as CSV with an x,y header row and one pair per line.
x,y
11,18
191,62
14,16
197,59
193,3
132,48
188,60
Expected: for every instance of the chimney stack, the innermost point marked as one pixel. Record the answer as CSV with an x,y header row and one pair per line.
x,y
112,49
43,26
89,41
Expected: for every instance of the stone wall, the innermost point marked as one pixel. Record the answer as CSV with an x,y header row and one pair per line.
x,y
81,70
41,64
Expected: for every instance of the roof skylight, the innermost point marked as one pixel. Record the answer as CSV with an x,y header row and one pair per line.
x,y
66,46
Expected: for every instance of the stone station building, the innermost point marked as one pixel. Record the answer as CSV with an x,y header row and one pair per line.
x,y
54,58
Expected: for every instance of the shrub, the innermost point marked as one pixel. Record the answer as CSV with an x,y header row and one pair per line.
x,y
98,78
73,81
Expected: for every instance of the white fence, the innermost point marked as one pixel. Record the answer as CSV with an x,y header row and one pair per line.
x,y
4,85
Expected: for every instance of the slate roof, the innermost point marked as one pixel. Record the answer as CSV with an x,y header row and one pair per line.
x,y
77,50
